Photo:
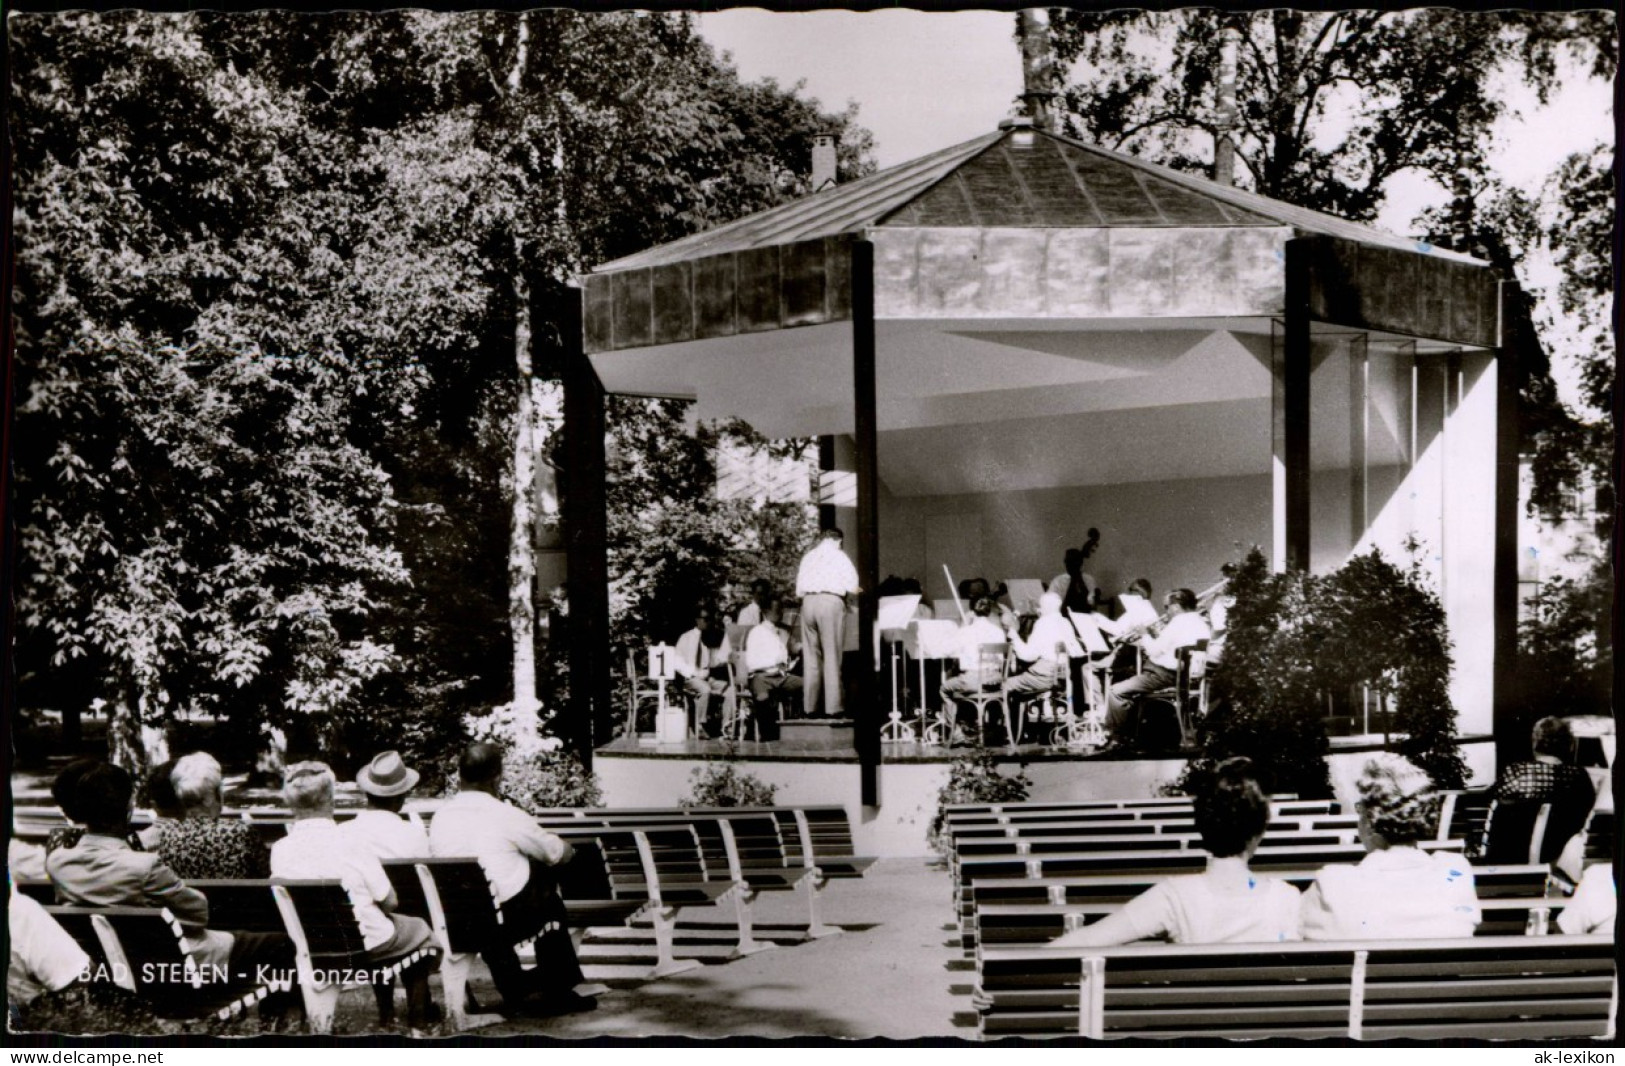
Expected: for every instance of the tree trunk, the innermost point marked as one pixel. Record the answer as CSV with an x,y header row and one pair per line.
x,y
131,743
522,544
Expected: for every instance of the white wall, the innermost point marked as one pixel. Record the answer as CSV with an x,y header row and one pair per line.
x,y
1174,533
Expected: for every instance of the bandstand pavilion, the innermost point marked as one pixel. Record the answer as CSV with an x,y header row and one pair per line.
x,y
1021,336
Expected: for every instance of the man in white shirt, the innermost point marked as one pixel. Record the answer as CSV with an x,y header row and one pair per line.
x,y
767,667
761,590
315,849
514,852
702,662
980,630
1184,628
1050,631
380,830
823,582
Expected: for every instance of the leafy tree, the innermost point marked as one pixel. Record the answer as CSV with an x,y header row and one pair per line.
x,y
275,277
196,526
1416,89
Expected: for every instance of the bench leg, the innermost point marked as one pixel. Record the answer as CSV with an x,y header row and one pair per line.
x,y
666,964
748,944
321,1004
812,884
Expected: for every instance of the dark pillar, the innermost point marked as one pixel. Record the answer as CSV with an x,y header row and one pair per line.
x,y
1511,724
826,465
866,690
1295,399
586,522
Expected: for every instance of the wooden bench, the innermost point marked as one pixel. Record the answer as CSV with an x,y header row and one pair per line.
x,y
1017,829
1030,909
328,948
1159,863
743,846
141,948
1532,988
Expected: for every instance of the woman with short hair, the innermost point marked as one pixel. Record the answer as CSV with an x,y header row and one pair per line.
x,y
1398,890
201,845
1225,904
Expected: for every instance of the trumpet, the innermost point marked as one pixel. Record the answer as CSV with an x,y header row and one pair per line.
x,y
1204,600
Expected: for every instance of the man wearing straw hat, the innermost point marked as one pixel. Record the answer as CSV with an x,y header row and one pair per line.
x,y
380,829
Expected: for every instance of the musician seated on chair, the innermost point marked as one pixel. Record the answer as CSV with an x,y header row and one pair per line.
x,y
761,590
980,630
1038,650
973,588
767,662
1183,629
701,660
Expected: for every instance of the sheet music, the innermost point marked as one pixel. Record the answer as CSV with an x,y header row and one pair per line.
x,y
1088,627
934,638
896,612
1137,611
1025,593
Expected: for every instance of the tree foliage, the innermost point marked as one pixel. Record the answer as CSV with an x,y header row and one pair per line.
x,y
270,272
1331,105
1295,640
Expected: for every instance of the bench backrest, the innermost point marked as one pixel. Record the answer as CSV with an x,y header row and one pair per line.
x,y
470,910
325,914
1488,987
241,906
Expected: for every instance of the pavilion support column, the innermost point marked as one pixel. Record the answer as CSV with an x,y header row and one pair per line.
x,y
827,515
1295,373
865,689
1511,724
586,528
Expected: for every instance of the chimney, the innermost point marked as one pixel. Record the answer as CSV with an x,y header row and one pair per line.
x,y
823,161
1224,148
1037,67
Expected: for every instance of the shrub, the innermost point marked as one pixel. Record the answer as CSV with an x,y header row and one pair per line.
x,y
539,780
974,778
721,784
1294,638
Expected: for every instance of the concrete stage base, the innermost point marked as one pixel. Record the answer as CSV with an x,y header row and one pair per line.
x,y
909,782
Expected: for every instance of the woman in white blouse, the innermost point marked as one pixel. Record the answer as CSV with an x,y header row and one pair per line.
x,y
1226,904
1398,890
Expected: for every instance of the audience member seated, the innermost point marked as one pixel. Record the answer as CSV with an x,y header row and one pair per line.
x,y
104,870
1549,778
25,861
1183,629
761,591
201,845
702,662
767,665
380,830
1228,904
64,789
1592,907
1038,650
315,849
44,958
515,853
166,806
1397,891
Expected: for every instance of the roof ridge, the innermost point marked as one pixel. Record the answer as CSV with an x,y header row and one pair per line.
x,y
1259,204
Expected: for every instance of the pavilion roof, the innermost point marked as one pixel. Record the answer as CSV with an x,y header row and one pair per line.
x,y
1017,178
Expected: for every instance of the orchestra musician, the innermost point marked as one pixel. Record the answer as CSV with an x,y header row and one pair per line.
x,y
1183,628
1051,629
1077,590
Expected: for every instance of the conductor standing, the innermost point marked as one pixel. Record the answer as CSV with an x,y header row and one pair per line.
x,y
824,581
